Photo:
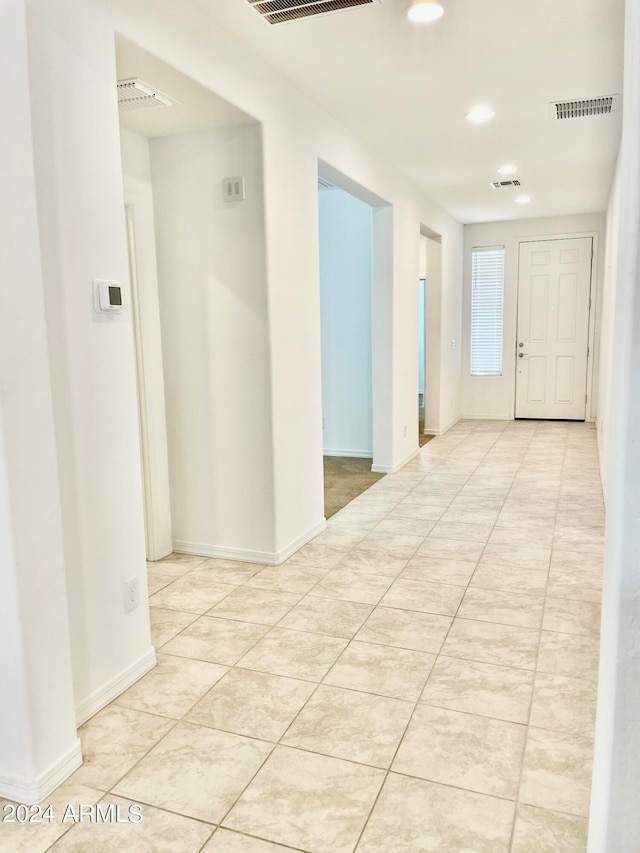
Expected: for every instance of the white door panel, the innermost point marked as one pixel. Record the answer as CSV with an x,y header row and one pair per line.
x,y
554,289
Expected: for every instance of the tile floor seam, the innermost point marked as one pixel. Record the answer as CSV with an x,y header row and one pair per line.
x,y
109,790
455,788
406,728
244,788
391,763
219,663
538,643
535,671
255,837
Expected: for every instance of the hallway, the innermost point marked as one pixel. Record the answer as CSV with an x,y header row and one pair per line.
x,y
421,677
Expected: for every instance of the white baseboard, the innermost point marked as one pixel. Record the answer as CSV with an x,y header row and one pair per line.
x,y
455,421
267,558
290,549
32,792
393,469
242,555
114,687
603,479
493,417
351,454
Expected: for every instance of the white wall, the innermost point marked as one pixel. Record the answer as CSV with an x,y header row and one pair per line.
x,y
296,134
138,193
607,317
81,222
37,715
494,396
345,304
82,231
615,817
213,303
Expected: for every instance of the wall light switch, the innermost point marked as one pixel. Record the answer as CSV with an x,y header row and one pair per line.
x,y
234,188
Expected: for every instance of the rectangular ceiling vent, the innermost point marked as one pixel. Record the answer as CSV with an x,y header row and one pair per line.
x,y
134,94
281,11
562,110
498,185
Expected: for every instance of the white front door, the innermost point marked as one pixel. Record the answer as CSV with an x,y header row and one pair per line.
x,y
554,296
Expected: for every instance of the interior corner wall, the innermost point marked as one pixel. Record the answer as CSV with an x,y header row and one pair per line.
x,y
493,397
138,188
40,747
607,314
614,823
422,317
434,361
345,304
82,232
451,337
214,312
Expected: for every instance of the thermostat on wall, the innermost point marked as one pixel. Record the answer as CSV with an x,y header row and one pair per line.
x,y
108,296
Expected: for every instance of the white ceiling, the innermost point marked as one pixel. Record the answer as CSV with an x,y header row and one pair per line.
x,y
195,107
405,89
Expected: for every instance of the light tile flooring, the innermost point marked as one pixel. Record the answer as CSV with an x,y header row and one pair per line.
x,y
421,677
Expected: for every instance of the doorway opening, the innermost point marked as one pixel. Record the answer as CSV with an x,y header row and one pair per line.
x,y
199,314
423,437
429,306
348,260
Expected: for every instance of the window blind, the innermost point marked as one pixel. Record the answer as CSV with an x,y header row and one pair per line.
x,y
487,298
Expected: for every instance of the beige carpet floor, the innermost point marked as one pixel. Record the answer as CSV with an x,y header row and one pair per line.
x,y
344,479
347,477
422,438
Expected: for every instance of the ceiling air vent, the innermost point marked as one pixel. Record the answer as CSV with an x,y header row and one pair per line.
x,y
280,11
134,94
498,185
561,110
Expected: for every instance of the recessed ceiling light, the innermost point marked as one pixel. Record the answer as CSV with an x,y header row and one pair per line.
x,y
507,170
523,199
480,114
425,12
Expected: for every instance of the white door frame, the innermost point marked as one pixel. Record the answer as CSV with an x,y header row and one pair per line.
x,y
149,376
422,284
140,374
590,415
381,316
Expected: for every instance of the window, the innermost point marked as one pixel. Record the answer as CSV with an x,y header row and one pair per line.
x,y
487,296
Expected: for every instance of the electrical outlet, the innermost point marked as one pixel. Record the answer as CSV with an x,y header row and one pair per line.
x,y
234,188
131,595
453,343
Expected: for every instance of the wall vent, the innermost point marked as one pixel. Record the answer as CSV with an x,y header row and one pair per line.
x,y
281,11
498,185
134,94
324,185
562,110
